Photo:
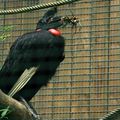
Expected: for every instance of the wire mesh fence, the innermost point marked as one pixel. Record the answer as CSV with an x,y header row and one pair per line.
x,y
86,85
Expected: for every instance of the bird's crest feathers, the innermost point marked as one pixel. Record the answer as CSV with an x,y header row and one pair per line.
x,y
49,20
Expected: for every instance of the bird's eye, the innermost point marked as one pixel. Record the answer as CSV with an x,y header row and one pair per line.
x,y
49,20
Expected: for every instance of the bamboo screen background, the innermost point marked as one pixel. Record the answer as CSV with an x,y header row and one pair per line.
x,y
87,83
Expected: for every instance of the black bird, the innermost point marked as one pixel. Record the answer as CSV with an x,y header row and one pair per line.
x,y
42,48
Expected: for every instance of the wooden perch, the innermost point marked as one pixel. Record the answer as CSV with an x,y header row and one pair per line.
x,y
18,110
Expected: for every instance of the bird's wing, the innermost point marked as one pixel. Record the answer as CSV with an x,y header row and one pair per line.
x,y
26,52
22,81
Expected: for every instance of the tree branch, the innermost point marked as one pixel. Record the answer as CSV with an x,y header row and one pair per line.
x,y
17,110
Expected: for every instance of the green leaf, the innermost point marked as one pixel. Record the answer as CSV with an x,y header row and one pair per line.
x,y
4,113
5,32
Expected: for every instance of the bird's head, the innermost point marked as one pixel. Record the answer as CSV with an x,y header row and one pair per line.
x,y
49,20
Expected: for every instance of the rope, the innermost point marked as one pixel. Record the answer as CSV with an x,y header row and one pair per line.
x,y
36,7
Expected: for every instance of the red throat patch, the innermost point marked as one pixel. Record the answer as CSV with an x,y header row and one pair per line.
x,y
55,32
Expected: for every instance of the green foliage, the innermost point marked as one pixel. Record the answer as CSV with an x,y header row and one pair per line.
x,y
4,112
5,33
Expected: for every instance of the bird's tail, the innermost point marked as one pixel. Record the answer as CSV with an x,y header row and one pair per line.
x,y
22,81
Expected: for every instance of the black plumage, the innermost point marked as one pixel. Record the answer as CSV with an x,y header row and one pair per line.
x,y
39,48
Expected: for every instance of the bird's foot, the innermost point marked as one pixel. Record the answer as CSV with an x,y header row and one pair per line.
x,y
30,109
